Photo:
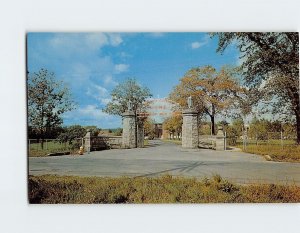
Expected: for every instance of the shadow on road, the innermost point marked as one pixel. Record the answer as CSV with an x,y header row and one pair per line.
x,y
185,168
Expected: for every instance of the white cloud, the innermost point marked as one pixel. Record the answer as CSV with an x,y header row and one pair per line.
x,y
92,115
115,39
92,112
108,80
97,92
124,55
198,44
102,91
195,45
120,68
83,43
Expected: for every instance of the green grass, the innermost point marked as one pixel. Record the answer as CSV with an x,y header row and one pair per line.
x,y
175,141
165,189
287,153
146,142
36,149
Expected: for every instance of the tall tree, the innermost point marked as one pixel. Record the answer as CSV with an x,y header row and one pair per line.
x,y
211,91
129,92
173,125
48,99
270,61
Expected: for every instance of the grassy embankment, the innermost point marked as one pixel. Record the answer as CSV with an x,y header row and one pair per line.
x,y
165,189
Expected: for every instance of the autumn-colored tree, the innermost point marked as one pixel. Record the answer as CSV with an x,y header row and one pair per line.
x,y
270,62
211,91
149,128
173,125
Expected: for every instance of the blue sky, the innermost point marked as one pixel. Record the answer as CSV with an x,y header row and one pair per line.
x,y
92,64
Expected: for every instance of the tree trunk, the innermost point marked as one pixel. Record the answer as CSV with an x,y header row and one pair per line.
x,y
212,119
297,112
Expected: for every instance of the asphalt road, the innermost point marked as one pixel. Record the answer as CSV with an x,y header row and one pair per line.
x,y
167,158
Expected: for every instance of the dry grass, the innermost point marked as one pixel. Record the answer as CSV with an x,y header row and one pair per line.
x,y
165,189
290,153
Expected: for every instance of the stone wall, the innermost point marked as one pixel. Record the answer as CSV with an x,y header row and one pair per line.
x,y
102,142
216,142
140,135
207,141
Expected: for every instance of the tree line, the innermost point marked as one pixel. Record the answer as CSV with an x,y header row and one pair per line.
x,y
269,74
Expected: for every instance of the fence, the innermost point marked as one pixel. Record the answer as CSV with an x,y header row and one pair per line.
x,y
38,147
41,147
276,139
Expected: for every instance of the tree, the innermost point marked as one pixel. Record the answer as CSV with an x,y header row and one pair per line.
x,y
173,125
48,99
94,130
129,92
118,132
71,133
149,128
211,91
238,126
271,63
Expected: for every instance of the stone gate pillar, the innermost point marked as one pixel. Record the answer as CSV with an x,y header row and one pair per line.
x,y
87,141
190,134
129,132
220,139
140,134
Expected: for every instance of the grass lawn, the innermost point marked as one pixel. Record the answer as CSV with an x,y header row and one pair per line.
x,y
36,149
287,153
146,142
176,141
165,189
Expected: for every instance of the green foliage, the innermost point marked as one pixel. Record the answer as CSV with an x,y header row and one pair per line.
x,y
149,128
47,101
259,129
94,130
271,65
118,132
127,92
166,189
232,135
72,132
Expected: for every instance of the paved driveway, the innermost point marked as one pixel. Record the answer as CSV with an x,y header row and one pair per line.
x,y
167,158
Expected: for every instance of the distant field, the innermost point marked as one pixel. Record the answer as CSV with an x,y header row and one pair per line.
x,y
165,189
